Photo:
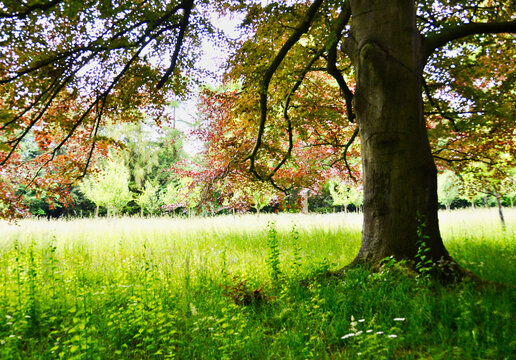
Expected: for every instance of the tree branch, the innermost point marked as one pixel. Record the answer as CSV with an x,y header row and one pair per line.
x,y
436,105
287,117
187,6
345,156
435,40
303,27
13,143
332,69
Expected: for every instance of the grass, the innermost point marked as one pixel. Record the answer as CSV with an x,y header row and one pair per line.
x,y
236,288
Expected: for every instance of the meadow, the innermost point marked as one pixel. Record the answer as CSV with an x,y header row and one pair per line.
x,y
247,287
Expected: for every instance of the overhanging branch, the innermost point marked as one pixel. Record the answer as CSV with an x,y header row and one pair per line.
x,y
345,154
303,27
187,6
435,40
286,115
332,69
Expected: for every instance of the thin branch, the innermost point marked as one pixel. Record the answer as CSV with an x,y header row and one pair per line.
x,y
15,142
344,155
435,104
463,159
94,139
34,103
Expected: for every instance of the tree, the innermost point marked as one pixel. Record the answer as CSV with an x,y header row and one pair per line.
x,y
149,152
344,194
109,187
148,199
447,188
468,191
181,194
389,44
490,179
315,154
387,47
510,186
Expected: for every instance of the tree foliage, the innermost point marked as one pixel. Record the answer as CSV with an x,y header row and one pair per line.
x,y
344,194
447,188
69,67
109,187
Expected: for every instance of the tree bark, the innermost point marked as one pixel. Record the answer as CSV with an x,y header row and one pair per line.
x,y
400,177
304,203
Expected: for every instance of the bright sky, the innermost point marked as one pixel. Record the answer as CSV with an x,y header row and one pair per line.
x,y
212,60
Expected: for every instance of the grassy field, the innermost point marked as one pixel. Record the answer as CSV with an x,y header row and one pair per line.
x,y
246,288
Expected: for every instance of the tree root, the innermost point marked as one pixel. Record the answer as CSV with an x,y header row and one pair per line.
x,y
445,272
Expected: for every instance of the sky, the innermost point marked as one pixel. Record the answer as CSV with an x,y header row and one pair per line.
x,y
213,59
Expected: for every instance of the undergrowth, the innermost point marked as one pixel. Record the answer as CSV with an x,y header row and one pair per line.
x,y
259,295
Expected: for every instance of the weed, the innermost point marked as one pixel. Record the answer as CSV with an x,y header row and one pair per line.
x,y
273,258
296,262
424,264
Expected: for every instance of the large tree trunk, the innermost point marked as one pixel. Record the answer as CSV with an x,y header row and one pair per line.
x,y
400,178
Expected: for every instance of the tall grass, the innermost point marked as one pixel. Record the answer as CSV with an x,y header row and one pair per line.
x,y
245,287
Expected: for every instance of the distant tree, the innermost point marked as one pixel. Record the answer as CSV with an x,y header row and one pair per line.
x,y
510,186
149,152
108,187
260,196
447,188
345,194
492,179
182,193
148,199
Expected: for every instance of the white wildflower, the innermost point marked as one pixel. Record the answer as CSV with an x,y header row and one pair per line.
x,y
361,320
193,309
392,336
369,331
399,319
379,333
348,335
